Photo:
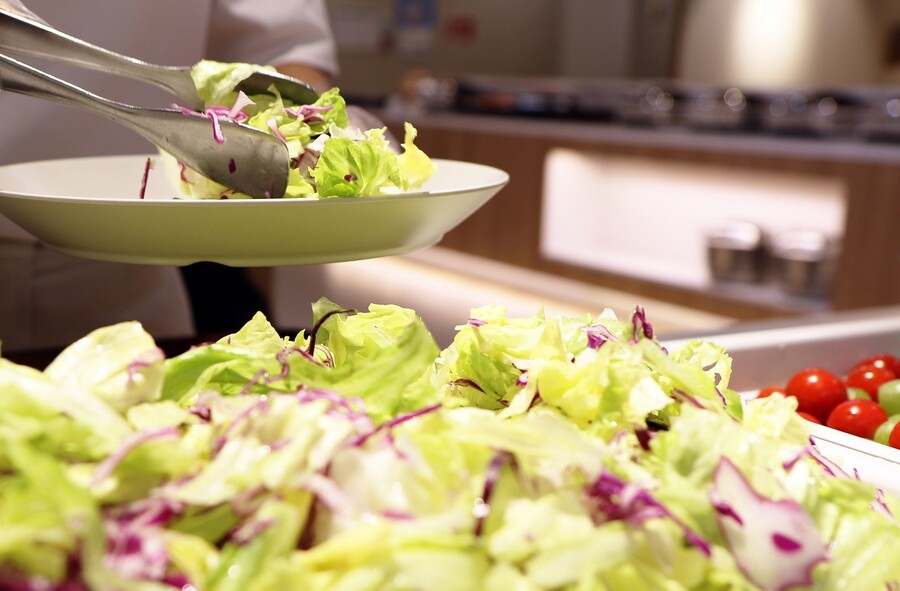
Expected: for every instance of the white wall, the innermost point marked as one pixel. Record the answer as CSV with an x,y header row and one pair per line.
x,y
747,42
764,43
595,38
512,37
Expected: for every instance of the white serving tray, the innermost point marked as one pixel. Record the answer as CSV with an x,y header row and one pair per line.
x,y
770,356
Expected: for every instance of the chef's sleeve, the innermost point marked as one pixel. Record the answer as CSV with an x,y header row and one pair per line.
x,y
273,32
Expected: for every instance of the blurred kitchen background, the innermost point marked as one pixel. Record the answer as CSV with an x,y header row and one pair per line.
x,y
716,161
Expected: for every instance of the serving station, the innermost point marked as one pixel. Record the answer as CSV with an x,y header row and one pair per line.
x,y
835,173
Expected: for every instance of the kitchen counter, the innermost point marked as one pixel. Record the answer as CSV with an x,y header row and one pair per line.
x,y
508,228
837,149
443,285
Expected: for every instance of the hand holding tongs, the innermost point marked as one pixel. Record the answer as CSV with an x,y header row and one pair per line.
x,y
250,161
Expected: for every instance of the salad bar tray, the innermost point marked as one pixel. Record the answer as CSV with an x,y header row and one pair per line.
x,y
770,356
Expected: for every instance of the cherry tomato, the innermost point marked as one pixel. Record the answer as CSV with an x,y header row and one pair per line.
x,y
809,417
857,417
769,390
817,392
894,439
869,378
884,361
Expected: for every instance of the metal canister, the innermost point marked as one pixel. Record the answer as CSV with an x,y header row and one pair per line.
x,y
804,261
736,251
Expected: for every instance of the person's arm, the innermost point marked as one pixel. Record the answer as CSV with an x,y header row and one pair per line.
x,y
293,35
315,77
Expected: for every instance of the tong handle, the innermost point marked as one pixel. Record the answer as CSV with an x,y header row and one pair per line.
x,y
251,161
21,31
21,78
16,7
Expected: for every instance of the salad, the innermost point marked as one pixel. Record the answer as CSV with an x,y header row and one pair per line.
x,y
537,453
329,156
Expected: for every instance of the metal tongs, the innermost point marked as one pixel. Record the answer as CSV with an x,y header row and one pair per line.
x,y
251,161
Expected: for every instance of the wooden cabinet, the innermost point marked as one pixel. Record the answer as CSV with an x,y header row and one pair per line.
x,y
507,228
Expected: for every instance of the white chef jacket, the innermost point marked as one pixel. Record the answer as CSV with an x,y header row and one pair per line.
x,y
48,299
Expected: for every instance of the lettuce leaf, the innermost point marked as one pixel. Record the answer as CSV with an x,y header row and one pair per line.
x,y
329,156
535,454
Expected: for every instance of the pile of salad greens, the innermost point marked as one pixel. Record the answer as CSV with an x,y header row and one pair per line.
x,y
329,156
541,453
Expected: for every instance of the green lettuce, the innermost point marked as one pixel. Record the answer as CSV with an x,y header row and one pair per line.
x,y
330,157
381,356
535,454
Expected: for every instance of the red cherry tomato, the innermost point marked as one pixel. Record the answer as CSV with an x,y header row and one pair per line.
x,y
884,361
857,417
769,390
869,378
817,392
894,439
809,417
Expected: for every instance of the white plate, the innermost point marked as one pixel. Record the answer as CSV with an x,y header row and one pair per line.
x,y
89,207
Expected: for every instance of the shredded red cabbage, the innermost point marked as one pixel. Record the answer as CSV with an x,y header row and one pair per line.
x,y
201,409
466,383
308,112
183,173
244,503
610,498
262,376
151,358
353,409
640,325
273,127
249,531
261,406
829,466
879,504
233,114
135,551
685,397
775,543
307,158
236,113
108,465
394,422
147,166
397,515
644,437
151,511
328,493
482,507
217,128
598,335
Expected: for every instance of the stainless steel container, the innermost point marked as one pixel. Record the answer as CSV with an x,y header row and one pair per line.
x,y
804,261
736,252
